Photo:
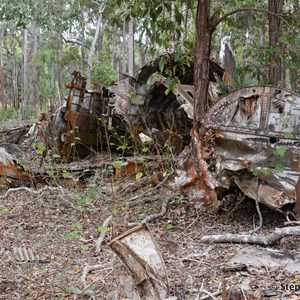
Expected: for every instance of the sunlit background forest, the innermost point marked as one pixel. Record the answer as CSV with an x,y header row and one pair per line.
x,y
43,42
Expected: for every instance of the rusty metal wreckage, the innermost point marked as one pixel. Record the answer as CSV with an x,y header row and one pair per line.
x,y
248,139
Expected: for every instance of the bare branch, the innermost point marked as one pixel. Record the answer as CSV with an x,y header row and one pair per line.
x,y
256,229
71,41
163,211
24,188
102,235
131,201
88,269
215,23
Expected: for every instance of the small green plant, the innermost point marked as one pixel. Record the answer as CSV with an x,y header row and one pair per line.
x,y
117,164
74,234
66,174
39,147
93,192
145,149
138,176
51,224
169,226
280,151
4,210
84,247
102,229
84,201
9,114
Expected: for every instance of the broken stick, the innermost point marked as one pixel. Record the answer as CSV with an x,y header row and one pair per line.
x,y
253,239
102,235
150,218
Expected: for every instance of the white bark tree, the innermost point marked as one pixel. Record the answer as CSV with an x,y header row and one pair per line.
x,y
131,48
25,75
93,46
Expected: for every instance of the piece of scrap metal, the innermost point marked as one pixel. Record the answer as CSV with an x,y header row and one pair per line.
x,y
140,255
252,133
24,254
11,172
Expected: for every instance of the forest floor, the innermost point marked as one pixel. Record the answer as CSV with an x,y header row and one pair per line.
x,y
59,224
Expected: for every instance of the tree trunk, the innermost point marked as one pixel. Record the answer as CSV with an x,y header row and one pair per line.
x,y
2,67
186,20
2,88
141,54
33,77
25,76
201,61
15,74
124,49
60,69
92,49
131,48
275,32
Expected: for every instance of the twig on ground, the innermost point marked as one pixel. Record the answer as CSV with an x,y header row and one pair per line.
x,y
102,235
196,219
151,190
24,188
150,218
243,293
208,294
235,207
69,203
256,229
86,270
253,239
292,223
142,182
144,200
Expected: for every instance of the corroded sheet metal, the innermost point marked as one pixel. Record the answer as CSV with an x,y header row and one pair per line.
x,y
253,132
10,171
140,255
109,118
24,254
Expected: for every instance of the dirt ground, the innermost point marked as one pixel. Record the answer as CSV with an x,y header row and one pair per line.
x,y
57,226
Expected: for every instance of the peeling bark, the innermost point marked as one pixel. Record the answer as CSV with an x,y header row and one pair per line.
x,y
275,32
201,62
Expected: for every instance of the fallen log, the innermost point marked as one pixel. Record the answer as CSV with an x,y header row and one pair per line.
x,y
14,135
265,240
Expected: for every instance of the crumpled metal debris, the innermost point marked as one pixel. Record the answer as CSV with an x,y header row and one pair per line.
x,y
140,255
113,118
24,254
11,172
248,134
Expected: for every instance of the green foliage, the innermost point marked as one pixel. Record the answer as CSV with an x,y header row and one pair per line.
x,y
39,147
288,135
138,176
103,73
84,201
169,226
102,229
280,151
84,247
279,167
74,290
66,174
117,164
4,210
9,114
